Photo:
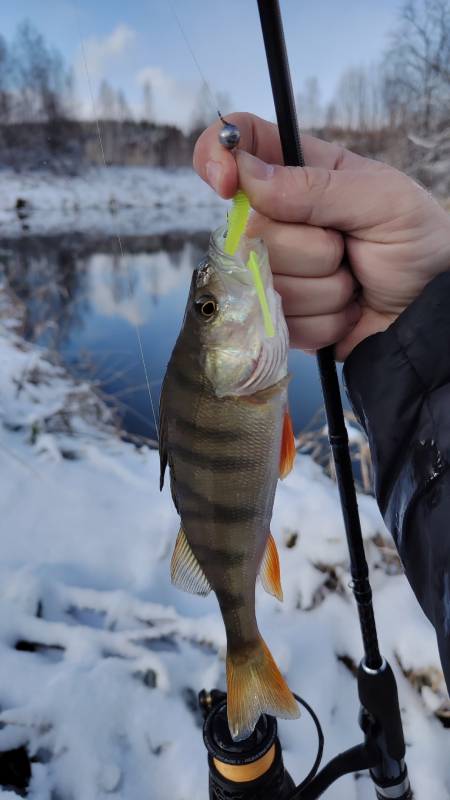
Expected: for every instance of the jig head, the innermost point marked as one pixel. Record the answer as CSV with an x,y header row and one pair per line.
x,y
230,134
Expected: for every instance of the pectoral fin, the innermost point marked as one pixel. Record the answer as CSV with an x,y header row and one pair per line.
x,y
288,451
185,571
270,570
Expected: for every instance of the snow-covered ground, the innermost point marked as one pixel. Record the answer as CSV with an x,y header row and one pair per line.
x,y
101,658
150,200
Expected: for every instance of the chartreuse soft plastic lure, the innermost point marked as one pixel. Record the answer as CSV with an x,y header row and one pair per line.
x,y
237,223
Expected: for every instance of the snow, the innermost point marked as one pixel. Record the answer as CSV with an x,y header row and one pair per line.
x,y
150,200
105,703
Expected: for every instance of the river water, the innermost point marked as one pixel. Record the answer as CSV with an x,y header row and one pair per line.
x,y
84,298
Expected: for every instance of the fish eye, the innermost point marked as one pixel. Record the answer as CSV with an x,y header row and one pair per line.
x,y
206,306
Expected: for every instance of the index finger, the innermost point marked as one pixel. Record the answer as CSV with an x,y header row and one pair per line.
x,y
217,166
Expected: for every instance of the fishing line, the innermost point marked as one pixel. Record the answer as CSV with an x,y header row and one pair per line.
x,y
119,241
209,91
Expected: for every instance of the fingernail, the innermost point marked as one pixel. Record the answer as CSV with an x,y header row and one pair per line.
x,y
254,167
214,174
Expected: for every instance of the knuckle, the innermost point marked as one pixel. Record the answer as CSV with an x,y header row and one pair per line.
x,y
340,156
291,178
309,177
314,182
344,286
317,179
334,244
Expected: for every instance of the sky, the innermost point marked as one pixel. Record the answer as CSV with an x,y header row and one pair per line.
x,y
129,43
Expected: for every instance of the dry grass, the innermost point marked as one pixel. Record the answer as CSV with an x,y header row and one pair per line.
x,y
314,442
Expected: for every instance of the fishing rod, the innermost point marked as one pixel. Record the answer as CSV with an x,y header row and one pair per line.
x,y
253,769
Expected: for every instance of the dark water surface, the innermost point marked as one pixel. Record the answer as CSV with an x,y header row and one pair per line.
x,y
84,299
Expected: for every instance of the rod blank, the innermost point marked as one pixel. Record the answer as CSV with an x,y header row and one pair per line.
x,y
280,78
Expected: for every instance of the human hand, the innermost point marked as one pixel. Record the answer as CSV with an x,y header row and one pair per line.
x,y
396,236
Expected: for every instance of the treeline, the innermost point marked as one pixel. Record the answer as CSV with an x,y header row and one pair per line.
x,y
35,84
69,146
385,110
409,90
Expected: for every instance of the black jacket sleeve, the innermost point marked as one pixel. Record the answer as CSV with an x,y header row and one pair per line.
x,y
399,386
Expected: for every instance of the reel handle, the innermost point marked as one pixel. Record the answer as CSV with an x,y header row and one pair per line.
x,y
381,723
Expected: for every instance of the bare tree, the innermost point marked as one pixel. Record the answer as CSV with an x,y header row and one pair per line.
x,y
107,101
376,116
40,79
352,98
147,101
331,116
363,97
308,104
396,99
123,109
204,111
344,101
5,82
417,65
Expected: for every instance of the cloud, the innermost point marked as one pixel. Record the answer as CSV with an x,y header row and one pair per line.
x,y
173,101
99,52
95,58
152,275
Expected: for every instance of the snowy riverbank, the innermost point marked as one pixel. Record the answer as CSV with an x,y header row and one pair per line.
x,y
149,199
101,659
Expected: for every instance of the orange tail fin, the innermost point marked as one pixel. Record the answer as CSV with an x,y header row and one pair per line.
x,y
256,686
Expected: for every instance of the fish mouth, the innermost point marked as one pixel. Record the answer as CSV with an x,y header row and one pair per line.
x,y
202,275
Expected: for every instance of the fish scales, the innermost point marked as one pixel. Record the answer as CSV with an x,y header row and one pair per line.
x,y
228,546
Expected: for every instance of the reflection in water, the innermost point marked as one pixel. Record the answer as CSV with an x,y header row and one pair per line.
x,y
130,286
83,299
46,277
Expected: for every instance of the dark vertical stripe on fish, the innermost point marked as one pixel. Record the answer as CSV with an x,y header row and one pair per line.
x,y
213,434
221,514
206,509
186,381
229,601
217,555
216,463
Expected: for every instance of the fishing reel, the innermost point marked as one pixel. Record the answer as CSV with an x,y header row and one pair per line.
x,y
253,769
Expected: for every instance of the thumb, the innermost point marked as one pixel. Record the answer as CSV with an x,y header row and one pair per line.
x,y
345,199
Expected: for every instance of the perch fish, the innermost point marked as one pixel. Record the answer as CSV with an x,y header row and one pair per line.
x,y
225,433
